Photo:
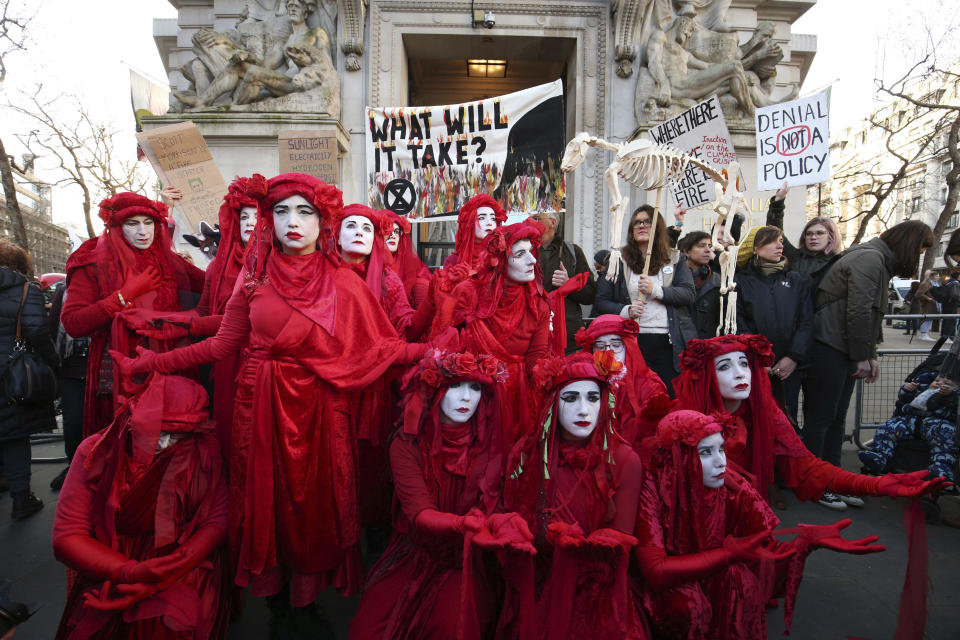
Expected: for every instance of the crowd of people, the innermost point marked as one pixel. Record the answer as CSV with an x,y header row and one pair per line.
x,y
460,447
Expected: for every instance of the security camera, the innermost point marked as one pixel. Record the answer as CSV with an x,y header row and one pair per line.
x,y
489,20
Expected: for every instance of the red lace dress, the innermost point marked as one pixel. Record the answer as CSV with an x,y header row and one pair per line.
x,y
298,522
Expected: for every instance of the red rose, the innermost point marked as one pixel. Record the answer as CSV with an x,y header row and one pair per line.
x,y
629,327
328,199
583,339
256,186
431,377
465,363
489,366
546,371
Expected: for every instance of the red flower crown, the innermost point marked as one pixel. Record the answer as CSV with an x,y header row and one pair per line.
x,y
603,325
440,368
554,371
117,208
698,357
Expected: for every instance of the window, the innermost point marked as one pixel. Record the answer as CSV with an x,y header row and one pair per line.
x,y
915,204
954,220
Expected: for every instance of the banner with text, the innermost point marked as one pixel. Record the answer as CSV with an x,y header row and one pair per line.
x,y
701,132
425,161
793,142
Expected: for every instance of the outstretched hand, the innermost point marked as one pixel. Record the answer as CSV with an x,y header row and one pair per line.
x,y
505,531
565,536
910,485
827,536
753,548
127,366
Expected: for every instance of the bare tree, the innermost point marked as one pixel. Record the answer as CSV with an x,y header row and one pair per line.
x,y
13,37
83,147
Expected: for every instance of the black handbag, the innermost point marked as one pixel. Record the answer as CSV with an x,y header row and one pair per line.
x,y
28,379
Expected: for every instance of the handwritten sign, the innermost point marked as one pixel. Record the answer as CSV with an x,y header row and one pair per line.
x,y
312,152
700,131
793,142
181,158
509,146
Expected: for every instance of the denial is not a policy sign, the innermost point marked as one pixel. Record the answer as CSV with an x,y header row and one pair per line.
x,y
793,142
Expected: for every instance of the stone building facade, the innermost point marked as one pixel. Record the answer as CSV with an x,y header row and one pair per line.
x,y
414,52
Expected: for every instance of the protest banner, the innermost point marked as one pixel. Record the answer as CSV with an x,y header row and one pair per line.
x,y
793,142
311,152
700,131
425,161
181,158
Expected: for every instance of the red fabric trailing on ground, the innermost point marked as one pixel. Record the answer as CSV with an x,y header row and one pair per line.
x,y
912,618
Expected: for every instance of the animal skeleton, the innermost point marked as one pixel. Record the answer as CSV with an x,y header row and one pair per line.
x,y
651,166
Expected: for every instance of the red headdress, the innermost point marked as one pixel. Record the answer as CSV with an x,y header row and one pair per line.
x,y
406,262
453,446
466,246
305,282
492,279
697,389
223,271
693,516
166,404
535,459
370,269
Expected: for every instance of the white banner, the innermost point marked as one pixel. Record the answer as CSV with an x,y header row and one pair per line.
x,y
793,142
425,161
700,131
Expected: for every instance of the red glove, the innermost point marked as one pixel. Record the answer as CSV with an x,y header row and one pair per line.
x,y
89,556
827,536
565,536
662,572
143,363
894,485
437,522
611,538
754,548
505,531
130,594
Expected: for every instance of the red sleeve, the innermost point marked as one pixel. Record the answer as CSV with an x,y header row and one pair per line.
x,y
807,475
421,288
409,485
205,326
84,312
628,490
233,335
398,306
203,306
73,506
539,347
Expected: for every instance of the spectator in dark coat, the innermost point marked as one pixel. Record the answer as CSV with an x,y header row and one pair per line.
x,y
19,420
705,311
774,301
948,295
560,261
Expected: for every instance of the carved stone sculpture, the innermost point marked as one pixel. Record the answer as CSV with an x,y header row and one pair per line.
x,y
277,63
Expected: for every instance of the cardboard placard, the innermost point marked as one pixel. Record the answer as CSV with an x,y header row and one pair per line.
x,y
700,131
312,152
181,158
793,142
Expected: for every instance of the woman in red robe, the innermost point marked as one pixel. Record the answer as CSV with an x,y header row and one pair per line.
x,y
503,311
130,265
641,395
446,469
478,216
141,516
728,373
238,218
406,263
577,483
314,331
706,548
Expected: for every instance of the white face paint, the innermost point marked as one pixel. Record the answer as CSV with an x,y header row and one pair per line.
x,y
733,375
248,222
138,231
460,402
393,240
579,409
356,237
486,222
612,342
521,263
713,459
296,225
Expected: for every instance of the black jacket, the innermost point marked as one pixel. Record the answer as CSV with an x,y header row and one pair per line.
x,y
705,310
812,265
20,420
575,262
612,297
777,306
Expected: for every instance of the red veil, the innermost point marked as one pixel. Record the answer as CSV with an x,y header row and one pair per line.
x,y
641,396
408,265
467,249
223,271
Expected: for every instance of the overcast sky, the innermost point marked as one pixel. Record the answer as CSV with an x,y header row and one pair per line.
x,y
84,47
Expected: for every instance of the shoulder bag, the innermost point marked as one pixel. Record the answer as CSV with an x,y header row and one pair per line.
x,y
28,379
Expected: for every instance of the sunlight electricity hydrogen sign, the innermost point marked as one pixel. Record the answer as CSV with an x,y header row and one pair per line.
x,y
793,142
432,159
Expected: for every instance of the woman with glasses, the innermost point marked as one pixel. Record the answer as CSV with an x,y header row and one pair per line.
x,y
820,242
657,298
